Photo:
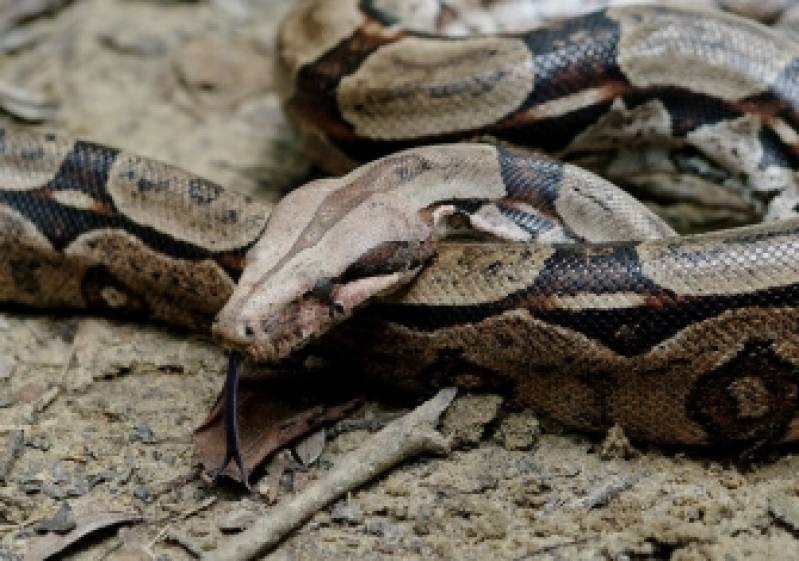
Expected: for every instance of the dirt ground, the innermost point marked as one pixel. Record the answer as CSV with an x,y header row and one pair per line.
x,y
98,415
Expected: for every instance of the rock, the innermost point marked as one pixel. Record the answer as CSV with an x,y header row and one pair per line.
x,y
6,555
346,512
617,446
143,433
467,417
785,508
519,431
124,39
236,520
62,522
7,366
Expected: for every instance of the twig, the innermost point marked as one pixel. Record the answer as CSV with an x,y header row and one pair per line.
x,y
11,453
182,516
602,495
185,542
405,438
550,549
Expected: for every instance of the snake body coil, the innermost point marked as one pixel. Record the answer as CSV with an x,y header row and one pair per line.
x,y
579,300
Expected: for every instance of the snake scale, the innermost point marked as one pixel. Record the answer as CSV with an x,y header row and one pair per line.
x,y
575,298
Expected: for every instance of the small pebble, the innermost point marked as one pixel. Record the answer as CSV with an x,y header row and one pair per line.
x,y
616,446
466,419
142,433
346,512
54,491
142,493
122,39
62,522
7,366
80,486
39,443
519,431
236,520
421,522
375,527
30,484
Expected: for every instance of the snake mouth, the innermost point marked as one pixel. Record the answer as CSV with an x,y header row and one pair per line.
x,y
270,333
275,337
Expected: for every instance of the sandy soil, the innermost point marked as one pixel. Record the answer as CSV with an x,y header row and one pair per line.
x,y
99,414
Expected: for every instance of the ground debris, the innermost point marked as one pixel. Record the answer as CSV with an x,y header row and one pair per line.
x,y
403,439
616,446
604,492
52,544
310,448
519,431
785,508
16,12
13,449
465,422
273,412
25,104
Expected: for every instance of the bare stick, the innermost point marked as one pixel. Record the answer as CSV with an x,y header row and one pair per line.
x,y
405,438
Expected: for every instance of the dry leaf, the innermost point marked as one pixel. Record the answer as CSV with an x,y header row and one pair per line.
x,y
310,448
53,544
273,412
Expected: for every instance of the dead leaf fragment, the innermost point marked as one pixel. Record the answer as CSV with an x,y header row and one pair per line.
x,y
62,522
86,524
274,411
405,438
311,447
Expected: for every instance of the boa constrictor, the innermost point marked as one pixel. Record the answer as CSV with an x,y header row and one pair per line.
x,y
578,301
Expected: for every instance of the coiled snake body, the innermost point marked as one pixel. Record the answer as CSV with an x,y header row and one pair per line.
x,y
578,300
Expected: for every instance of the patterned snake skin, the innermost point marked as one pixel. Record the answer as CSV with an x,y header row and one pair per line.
x,y
576,299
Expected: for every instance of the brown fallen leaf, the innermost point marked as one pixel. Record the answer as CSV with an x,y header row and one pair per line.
x,y
274,411
405,438
85,524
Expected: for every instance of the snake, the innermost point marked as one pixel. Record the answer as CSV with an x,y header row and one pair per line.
x,y
460,238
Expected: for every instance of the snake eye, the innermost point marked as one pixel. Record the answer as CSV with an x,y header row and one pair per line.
x,y
335,309
323,289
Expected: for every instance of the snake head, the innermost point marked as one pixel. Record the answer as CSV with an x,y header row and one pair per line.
x,y
328,248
